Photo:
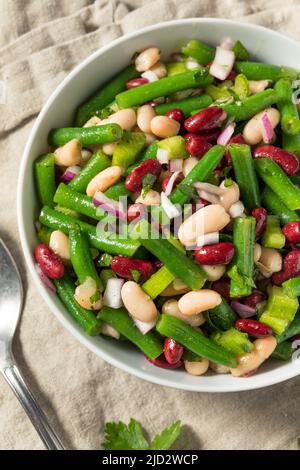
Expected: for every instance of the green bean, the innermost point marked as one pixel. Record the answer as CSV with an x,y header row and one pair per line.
x,y
119,319
163,87
65,289
289,120
117,190
199,51
245,174
259,71
292,330
200,172
81,257
45,178
291,143
278,181
251,105
275,206
194,340
98,162
86,135
175,260
78,202
283,351
105,96
241,272
104,241
186,106
240,51
222,316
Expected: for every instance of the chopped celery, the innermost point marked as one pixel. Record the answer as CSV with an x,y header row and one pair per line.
x,y
175,68
234,341
292,330
273,236
158,282
292,286
219,94
241,86
280,311
128,148
175,147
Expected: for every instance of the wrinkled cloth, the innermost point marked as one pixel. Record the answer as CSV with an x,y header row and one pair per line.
x,y
40,42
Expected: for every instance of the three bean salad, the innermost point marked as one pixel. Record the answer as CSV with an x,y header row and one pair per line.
x,y
170,212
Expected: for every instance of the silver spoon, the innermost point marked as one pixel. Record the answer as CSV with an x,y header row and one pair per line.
x,y
11,300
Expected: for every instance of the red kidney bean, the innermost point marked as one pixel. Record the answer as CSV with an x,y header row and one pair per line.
x,y
291,268
218,253
255,298
49,263
260,214
222,286
237,139
205,120
172,350
160,361
253,327
286,160
135,82
211,136
136,210
134,181
292,232
123,267
196,145
165,182
176,114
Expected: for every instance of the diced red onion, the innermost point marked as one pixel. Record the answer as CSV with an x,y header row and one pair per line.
x,y
222,63
45,279
226,134
175,164
162,156
144,327
169,208
150,76
208,239
171,182
227,43
70,173
237,210
112,294
244,311
109,205
267,129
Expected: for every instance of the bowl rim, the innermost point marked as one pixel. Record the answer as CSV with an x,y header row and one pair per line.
x,y
241,385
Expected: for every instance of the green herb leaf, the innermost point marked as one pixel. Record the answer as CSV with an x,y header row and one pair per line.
x,y
148,182
167,437
118,436
135,275
228,182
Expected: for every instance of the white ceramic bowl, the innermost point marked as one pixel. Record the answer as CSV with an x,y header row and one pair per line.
x,y
265,45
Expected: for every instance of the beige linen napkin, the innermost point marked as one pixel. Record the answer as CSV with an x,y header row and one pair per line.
x,y
40,42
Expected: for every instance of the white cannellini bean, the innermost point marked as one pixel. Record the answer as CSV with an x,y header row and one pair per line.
x,y
93,121
269,262
144,116
198,301
257,252
229,195
257,86
253,131
152,198
150,138
159,69
109,149
84,292
85,155
69,154
262,350
170,291
237,210
212,218
103,180
109,330
170,307
196,367
178,284
138,303
146,59
188,165
214,272
59,243
218,368
126,118
163,127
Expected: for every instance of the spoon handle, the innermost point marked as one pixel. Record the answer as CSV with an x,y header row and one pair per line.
x,y
13,376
